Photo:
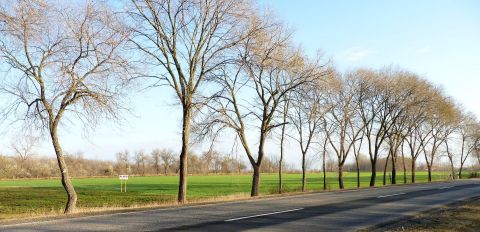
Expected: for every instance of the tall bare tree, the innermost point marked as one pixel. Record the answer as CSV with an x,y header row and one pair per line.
x,y
189,40
378,110
254,88
469,132
342,116
284,110
440,125
63,61
306,117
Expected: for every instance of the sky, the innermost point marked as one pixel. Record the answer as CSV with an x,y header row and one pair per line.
x,y
438,39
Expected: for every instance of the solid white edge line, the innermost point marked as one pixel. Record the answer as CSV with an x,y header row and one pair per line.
x,y
261,215
391,195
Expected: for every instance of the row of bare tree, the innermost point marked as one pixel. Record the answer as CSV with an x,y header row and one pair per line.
x,y
389,113
231,66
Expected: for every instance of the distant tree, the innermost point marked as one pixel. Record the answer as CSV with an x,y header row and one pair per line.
x,y
156,159
123,160
62,60
140,161
23,147
168,159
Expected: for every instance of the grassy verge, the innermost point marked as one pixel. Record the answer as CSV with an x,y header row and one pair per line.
x,y
463,216
26,198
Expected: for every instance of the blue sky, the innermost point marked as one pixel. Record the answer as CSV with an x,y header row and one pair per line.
x,y
438,39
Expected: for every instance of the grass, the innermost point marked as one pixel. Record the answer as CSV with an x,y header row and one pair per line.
x,y
46,196
464,216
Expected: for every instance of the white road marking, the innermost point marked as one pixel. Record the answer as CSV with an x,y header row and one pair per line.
x,y
446,187
261,215
391,195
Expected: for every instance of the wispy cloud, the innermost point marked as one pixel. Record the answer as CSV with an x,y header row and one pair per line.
x,y
356,54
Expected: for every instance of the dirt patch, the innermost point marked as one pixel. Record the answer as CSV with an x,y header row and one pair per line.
x,y
461,216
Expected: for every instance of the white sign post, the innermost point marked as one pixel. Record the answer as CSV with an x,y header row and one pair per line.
x,y
123,182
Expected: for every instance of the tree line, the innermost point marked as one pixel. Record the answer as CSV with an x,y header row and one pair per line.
x,y
233,68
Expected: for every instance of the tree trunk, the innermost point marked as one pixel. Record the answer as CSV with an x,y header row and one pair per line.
x,y
255,181
373,177
66,182
280,182
394,170
413,170
280,163
358,172
404,169
304,174
429,173
459,171
452,167
340,176
182,187
385,170
323,168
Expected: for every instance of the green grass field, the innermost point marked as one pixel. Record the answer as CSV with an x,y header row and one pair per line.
x,y
31,197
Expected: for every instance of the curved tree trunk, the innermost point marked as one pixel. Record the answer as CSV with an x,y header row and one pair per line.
x,y
182,187
66,182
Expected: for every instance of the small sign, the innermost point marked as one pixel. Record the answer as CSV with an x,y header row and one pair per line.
x,y
123,182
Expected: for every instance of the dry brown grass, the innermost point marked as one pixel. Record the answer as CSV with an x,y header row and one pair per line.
x,y
464,216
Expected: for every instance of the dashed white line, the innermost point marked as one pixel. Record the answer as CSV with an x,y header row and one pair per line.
x,y
391,195
261,215
446,187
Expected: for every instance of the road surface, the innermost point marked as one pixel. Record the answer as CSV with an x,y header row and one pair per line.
x,y
329,211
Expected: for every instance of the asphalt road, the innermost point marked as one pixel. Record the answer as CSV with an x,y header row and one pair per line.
x,y
330,211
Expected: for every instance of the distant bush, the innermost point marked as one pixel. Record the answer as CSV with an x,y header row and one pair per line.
x,y
474,175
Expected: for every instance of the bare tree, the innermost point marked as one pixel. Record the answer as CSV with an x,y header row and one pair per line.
x,y
123,160
285,109
306,118
341,116
23,147
140,161
62,61
168,159
189,40
441,124
155,158
469,132
253,89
